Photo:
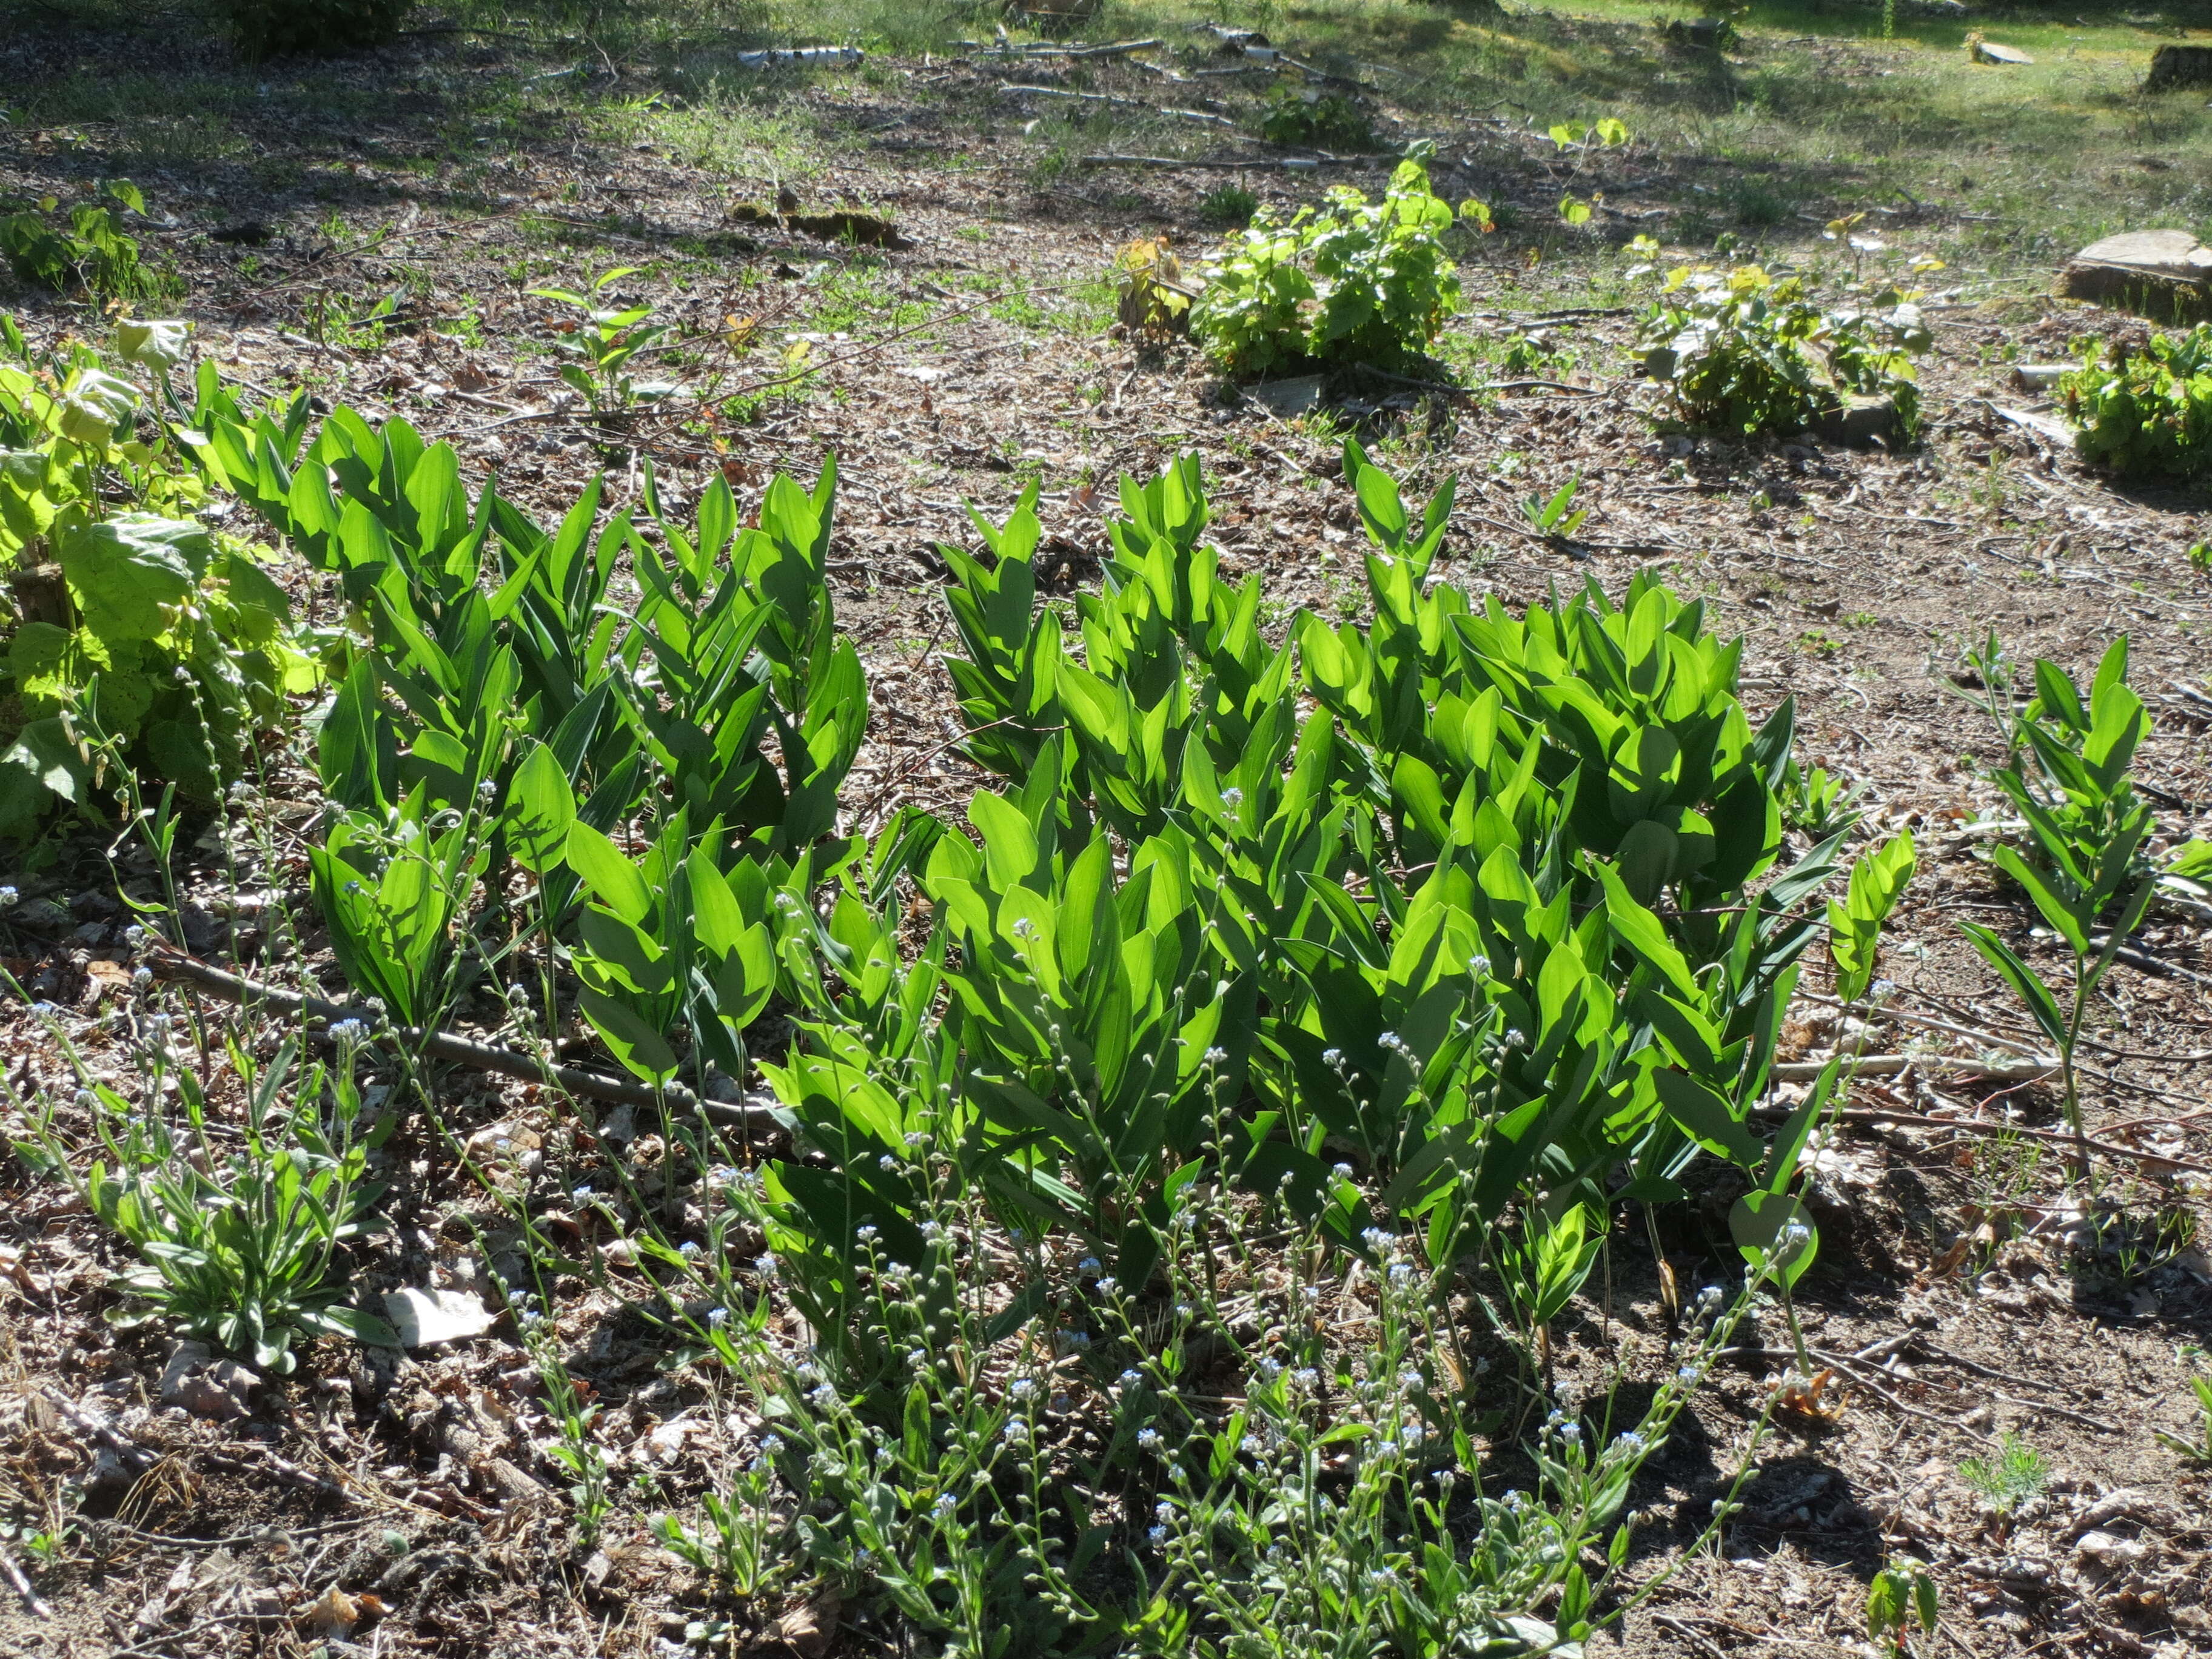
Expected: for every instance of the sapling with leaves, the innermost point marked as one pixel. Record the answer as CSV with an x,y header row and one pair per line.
x,y
2085,867
1902,1593
599,343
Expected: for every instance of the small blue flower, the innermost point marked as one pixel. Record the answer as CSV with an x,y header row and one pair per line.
x,y
1157,1535
1148,1439
689,1249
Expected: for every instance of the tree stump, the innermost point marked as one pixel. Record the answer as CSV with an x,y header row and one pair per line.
x,y
2164,275
42,596
2178,66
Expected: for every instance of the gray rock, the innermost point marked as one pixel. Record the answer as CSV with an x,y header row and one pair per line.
x,y
206,1385
1284,398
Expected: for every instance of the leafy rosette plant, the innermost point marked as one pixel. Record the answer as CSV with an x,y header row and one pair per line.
x,y
1352,281
1744,352
2145,412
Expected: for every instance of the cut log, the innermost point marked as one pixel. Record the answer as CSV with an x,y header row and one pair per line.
x,y
1859,420
2178,66
42,596
2165,275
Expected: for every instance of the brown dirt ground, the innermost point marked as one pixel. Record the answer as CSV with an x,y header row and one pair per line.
x,y
1854,575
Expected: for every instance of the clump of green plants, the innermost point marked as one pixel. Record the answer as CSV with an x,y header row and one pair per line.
x,y
1227,205
1744,353
1302,117
240,1231
275,29
86,248
139,639
1352,281
2009,1477
2145,412
1292,991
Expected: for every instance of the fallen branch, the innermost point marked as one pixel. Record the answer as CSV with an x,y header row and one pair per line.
x,y
1928,1022
1976,1127
13,1573
1004,49
1295,163
2143,962
170,964
1119,103
2031,1068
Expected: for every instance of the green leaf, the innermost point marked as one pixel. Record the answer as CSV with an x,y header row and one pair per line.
x,y
1706,1116
1759,1223
1643,934
636,1044
541,808
2017,974
2062,917
613,879
123,570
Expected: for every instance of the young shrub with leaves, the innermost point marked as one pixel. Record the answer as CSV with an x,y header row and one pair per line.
x,y
274,29
1354,281
2145,413
2084,860
87,248
1305,117
1744,353
140,639
1150,297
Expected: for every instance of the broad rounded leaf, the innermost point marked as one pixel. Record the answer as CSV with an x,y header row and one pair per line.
x,y
156,345
124,570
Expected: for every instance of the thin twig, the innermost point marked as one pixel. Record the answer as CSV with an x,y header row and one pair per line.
x,y
13,1573
170,964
